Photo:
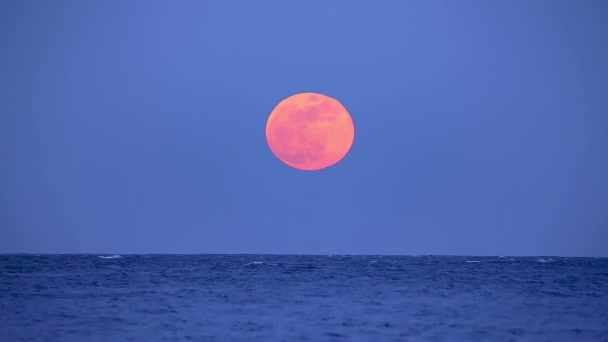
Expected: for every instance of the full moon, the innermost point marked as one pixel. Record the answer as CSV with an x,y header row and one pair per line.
x,y
310,131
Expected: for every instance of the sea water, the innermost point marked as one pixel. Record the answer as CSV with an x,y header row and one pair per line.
x,y
297,297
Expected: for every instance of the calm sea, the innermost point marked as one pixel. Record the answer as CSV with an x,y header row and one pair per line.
x,y
292,298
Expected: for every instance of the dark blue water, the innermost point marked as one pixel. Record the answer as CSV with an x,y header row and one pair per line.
x,y
316,298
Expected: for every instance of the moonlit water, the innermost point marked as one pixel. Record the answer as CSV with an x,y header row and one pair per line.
x,y
266,297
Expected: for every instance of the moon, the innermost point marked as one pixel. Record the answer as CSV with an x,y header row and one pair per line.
x,y
310,131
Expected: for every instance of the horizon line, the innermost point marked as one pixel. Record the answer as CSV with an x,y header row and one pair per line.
x,y
312,254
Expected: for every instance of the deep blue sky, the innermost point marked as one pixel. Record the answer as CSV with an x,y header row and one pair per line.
x,y
138,127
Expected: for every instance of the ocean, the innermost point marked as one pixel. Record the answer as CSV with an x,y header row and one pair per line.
x,y
84,297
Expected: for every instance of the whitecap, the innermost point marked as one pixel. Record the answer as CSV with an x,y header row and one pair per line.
x,y
473,261
111,256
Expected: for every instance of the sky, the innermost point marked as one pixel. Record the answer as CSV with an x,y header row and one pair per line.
x,y
139,127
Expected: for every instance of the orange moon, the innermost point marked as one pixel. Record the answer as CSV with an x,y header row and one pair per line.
x,y
310,131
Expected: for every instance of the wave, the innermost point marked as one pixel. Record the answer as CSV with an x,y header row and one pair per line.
x,y
280,264
255,263
110,256
545,260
